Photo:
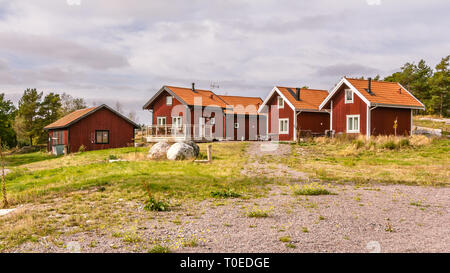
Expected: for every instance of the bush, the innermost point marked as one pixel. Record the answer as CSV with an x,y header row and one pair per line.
x,y
404,142
82,149
389,145
358,143
113,157
156,205
225,194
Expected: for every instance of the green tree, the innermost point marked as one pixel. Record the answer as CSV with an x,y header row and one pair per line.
x,y
7,113
28,114
49,111
415,78
440,82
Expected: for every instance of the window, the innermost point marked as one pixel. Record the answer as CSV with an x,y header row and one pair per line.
x,y
280,102
236,125
353,124
169,100
161,121
177,122
284,126
212,121
348,96
102,137
58,138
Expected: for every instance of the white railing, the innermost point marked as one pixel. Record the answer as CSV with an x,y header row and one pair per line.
x,y
185,131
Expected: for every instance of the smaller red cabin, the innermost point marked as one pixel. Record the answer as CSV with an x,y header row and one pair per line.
x,y
94,128
294,112
371,107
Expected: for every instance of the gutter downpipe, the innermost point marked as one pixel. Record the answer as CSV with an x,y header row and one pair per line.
x,y
369,123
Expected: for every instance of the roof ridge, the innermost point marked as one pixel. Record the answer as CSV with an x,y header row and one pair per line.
x,y
371,80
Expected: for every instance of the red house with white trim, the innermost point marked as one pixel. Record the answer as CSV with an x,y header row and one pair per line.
x,y
370,107
181,113
293,112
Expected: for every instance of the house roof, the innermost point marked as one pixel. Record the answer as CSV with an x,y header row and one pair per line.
x,y
385,92
310,99
389,94
189,97
77,115
242,105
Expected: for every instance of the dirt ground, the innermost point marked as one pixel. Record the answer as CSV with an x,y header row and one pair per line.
x,y
372,218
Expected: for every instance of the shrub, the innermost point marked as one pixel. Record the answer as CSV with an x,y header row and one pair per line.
x,y
404,142
225,194
156,205
310,189
358,143
82,149
389,145
285,239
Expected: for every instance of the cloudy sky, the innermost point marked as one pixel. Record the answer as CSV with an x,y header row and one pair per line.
x,y
112,50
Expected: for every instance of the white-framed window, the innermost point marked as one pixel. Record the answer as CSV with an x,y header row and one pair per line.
x,y
280,102
161,121
352,123
236,125
177,122
169,100
348,96
212,121
283,125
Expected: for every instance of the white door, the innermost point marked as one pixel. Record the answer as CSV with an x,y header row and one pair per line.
x,y
201,127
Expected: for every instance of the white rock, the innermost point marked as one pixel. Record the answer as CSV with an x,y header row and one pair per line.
x,y
159,150
180,151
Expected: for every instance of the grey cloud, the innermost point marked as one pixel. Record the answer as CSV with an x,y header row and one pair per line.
x,y
343,69
56,50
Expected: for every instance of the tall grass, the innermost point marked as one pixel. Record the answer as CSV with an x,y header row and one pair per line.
x,y
357,142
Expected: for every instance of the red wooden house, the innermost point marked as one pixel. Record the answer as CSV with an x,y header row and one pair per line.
x,y
370,107
188,113
294,111
95,128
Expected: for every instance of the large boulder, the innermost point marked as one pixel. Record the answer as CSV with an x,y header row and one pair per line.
x,y
180,151
194,146
159,150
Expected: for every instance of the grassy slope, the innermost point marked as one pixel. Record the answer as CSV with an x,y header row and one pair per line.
x,y
92,169
427,165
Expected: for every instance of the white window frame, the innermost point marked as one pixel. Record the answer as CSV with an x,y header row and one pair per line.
x,y
279,98
176,124
236,125
284,132
159,119
169,100
345,95
352,117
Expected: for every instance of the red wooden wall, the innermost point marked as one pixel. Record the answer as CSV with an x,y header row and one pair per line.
x,y
121,132
313,121
342,109
382,121
285,112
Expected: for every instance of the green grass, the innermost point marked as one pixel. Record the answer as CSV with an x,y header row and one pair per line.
x,y
310,189
180,179
343,162
431,124
23,159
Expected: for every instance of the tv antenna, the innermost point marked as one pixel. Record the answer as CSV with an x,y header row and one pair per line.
x,y
214,85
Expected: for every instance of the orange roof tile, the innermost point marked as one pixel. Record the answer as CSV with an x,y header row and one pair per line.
x,y
207,97
310,99
242,105
66,120
385,93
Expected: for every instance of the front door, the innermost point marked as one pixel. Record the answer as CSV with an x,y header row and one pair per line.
x,y
201,127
